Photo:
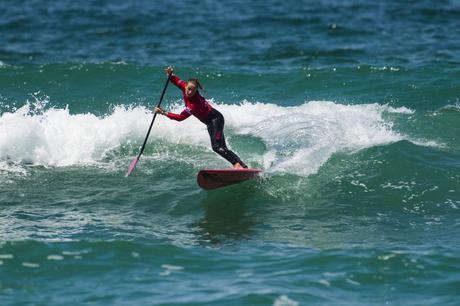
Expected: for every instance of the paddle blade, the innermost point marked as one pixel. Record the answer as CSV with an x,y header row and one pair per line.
x,y
132,165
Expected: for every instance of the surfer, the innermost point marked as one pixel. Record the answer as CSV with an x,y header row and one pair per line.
x,y
196,104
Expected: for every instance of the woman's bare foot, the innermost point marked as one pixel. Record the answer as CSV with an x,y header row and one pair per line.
x,y
237,166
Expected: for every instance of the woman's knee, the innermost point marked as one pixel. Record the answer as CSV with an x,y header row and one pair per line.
x,y
218,148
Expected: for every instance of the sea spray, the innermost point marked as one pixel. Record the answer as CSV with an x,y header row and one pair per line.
x,y
299,139
302,138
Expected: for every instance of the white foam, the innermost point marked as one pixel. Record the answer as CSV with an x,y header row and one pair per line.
x,y
299,138
302,138
284,300
58,138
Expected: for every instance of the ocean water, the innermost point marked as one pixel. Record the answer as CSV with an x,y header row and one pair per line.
x,y
351,108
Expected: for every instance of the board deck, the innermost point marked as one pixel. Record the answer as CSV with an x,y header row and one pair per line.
x,y
216,178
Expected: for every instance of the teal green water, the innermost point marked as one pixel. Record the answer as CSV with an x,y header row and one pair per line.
x,y
350,108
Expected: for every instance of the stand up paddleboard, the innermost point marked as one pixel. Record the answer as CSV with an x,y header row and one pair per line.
x,y
216,178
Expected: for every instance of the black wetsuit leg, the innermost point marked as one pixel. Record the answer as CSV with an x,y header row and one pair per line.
x,y
215,123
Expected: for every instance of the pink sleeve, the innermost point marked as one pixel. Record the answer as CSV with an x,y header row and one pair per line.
x,y
178,82
179,117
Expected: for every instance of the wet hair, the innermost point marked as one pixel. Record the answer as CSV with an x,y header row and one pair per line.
x,y
197,83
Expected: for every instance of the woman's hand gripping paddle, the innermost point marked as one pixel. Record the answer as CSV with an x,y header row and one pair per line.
x,y
133,163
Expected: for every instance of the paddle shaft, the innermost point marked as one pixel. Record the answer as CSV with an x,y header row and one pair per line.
x,y
154,116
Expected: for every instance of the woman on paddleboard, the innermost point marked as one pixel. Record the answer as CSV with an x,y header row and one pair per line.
x,y
196,104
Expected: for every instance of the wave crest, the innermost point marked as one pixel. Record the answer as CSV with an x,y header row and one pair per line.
x,y
298,139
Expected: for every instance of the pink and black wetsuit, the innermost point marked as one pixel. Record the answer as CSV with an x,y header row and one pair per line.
x,y
200,108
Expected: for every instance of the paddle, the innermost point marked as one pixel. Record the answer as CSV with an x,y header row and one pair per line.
x,y
133,163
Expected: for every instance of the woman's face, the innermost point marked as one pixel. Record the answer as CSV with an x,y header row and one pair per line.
x,y
190,89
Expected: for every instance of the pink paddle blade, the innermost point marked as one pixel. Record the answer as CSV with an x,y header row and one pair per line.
x,y
132,165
